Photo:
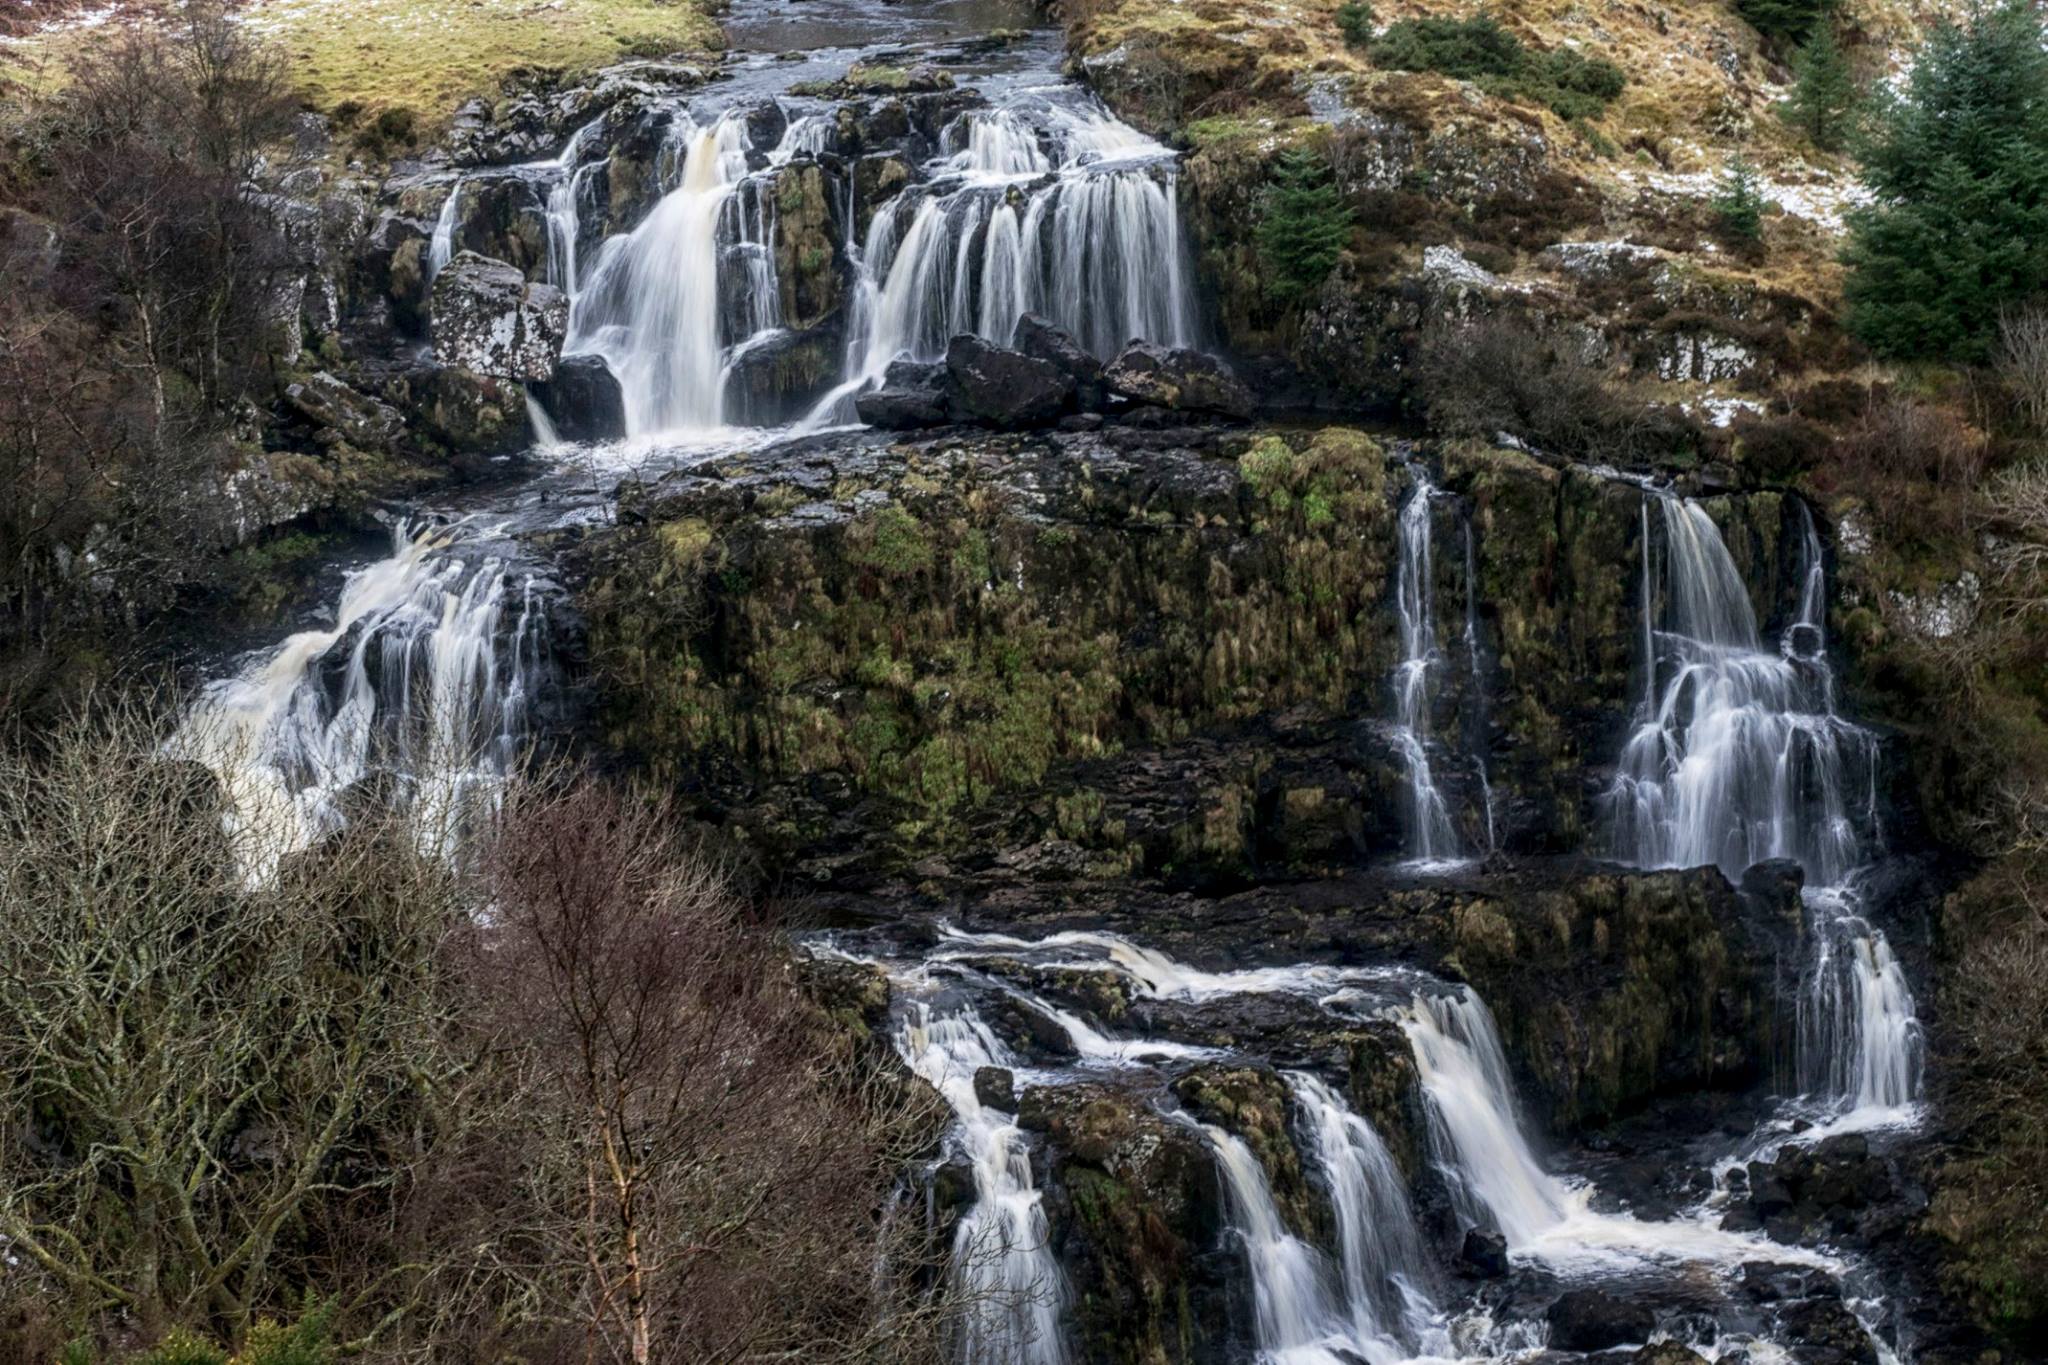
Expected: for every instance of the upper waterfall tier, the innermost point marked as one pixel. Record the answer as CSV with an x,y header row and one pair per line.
x,y
753,257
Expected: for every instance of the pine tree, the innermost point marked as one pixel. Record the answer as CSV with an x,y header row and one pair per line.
x,y
1739,203
1824,98
1354,21
1304,227
1958,170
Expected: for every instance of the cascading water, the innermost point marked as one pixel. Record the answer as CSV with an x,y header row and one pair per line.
x,y
1476,670
1385,1275
1478,1146
441,246
654,304
1003,1267
1432,837
1296,1321
1048,206
433,690
1738,756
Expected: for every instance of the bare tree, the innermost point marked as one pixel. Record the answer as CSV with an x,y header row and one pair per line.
x,y
722,1160
188,1066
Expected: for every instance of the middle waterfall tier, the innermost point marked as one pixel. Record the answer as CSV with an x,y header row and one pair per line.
x,y
766,261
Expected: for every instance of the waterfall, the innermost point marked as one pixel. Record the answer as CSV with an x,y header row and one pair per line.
x,y
565,209
653,305
1496,1180
1738,755
441,246
1385,1274
1048,206
1002,1265
1431,835
431,689
1296,1320
1477,672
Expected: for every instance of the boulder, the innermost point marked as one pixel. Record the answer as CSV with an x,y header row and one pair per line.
x,y
780,375
913,394
342,414
1595,1320
1667,1353
1003,388
583,400
1187,381
996,1088
1043,340
476,414
1485,1254
1826,1333
488,320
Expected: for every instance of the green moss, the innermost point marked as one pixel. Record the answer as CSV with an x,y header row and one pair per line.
x,y
891,541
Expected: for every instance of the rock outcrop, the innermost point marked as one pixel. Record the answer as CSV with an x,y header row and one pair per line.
x,y
487,319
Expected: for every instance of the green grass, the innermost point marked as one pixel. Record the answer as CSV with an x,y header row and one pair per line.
x,y
419,59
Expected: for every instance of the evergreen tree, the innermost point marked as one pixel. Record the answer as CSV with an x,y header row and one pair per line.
x,y
1304,227
1786,21
1354,21
1824,98
1739,203
1958,170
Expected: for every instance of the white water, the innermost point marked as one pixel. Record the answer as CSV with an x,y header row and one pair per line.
x,y
1154,973
430,689
1045,205
1431,835
441,246
1385,1280
1737,756
651,305
1010,1284
1296,1318
1496,1180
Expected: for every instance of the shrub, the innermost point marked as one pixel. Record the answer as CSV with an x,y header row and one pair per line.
x,y
1354,21
1499,375
1479,49
1782,448
1304,227
2022,362
1958,228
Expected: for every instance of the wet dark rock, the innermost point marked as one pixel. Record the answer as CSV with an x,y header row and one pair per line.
x,y
1003,388
583,400
1040,339
1770,1282
913,395
1822,1331
1136,1220
472,413
1833,1188
1186,381
1484,1254
780,378
488,320
1667,1353
1595,1320
996,1088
